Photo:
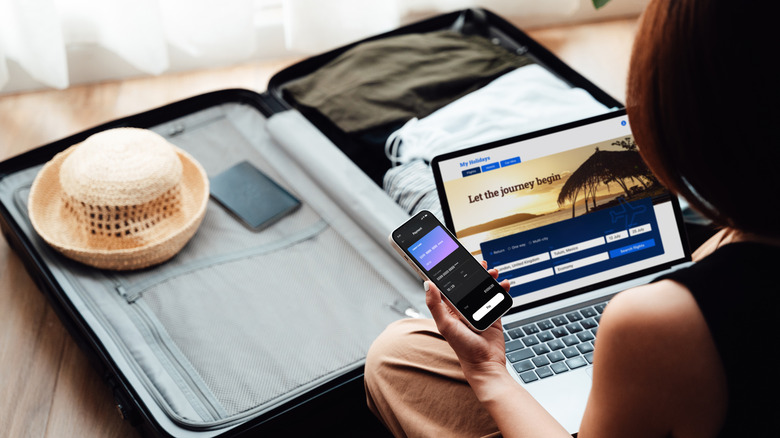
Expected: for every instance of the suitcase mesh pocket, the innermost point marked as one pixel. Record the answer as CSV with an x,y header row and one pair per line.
x,y
236,331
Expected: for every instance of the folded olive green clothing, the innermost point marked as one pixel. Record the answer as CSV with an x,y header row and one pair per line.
x,y
397,78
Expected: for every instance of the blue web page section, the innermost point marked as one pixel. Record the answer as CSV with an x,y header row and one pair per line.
x,y
575,248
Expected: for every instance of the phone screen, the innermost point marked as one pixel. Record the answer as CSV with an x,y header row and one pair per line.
x,y
459,276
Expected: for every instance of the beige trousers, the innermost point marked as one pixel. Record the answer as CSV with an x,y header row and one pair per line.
x,y
415,386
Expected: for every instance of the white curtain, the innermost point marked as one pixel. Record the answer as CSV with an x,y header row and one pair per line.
x,y
30,34
55,43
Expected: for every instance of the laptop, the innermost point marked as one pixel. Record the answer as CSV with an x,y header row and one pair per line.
x,y
570,215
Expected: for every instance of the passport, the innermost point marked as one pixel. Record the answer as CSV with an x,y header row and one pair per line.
x,y
251,196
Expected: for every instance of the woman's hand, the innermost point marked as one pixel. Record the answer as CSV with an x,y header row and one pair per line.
x,y
483,361
477,352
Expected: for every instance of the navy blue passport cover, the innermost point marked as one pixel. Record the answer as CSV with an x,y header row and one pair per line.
x,y
252,196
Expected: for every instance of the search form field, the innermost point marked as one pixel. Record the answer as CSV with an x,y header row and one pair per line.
x,y
522,263
581,263
544,273
582,246
646,228
614,237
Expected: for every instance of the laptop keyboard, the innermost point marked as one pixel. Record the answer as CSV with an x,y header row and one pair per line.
x,y
553,345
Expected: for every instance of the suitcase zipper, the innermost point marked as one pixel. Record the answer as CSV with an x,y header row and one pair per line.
x,y
134,292
192,384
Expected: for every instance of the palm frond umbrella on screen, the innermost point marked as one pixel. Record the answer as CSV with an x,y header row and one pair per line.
x,y
604,167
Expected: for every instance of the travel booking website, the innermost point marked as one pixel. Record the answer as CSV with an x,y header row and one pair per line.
x,y
562,212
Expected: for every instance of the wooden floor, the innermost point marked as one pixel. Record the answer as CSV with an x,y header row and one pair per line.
x,y
47,387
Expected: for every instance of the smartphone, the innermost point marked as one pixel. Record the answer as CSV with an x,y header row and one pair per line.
x,y
437,256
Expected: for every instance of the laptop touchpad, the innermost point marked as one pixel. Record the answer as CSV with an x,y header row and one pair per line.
x,y
564,396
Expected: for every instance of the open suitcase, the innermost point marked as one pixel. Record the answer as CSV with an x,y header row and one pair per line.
x,y
245,332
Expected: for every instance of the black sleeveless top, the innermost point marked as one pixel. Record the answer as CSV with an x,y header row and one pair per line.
x,y
736,288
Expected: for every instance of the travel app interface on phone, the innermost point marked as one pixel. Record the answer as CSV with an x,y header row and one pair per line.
x,y
451,267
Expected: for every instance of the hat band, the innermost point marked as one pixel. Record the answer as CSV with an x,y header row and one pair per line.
x,y
123,221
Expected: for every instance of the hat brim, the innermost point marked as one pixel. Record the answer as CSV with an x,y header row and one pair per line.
x,y
49,219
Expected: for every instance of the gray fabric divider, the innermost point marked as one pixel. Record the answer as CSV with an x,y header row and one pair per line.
x,y
352,192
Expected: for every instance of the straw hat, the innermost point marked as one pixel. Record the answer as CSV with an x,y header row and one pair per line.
x,y
122,199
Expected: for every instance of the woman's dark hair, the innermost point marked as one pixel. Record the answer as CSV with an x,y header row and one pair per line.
x,y
702,99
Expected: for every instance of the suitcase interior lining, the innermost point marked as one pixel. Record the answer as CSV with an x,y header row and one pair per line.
x,y
240,321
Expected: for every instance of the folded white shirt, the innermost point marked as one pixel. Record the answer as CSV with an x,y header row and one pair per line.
x,y
526,99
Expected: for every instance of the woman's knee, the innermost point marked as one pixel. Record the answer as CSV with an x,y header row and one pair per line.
x,y
414,383
396,343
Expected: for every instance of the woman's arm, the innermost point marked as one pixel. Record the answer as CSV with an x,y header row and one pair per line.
x,y
656,370
482,358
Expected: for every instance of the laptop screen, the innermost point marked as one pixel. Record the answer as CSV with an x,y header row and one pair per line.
x,y
561,211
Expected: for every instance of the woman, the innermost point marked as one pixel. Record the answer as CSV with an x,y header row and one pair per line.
x,y
672,356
